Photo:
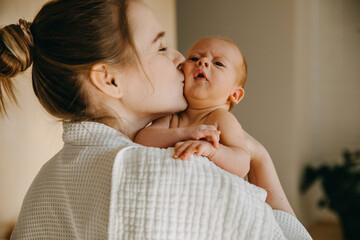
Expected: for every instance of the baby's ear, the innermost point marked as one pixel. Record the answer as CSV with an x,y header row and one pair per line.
x,y
105,81
237,94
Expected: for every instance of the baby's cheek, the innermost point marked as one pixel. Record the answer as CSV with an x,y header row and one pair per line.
x,y
186,67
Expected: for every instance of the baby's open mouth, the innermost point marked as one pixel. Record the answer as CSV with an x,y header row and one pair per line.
x,y
201,75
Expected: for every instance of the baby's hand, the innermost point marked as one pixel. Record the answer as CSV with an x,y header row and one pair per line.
x,y
206,132
184,149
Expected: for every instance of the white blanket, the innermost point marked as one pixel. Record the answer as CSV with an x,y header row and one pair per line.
x,y
151,195
154,196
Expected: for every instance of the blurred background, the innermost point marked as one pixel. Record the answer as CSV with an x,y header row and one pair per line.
x,y
302,96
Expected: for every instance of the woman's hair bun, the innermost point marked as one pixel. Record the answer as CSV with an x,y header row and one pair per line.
x,y
16,46
15,49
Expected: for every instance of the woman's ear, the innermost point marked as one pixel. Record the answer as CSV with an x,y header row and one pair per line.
x,y
237,95
106,82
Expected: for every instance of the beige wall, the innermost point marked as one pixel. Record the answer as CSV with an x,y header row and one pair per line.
x,y
165,10
29,136
326,74
302,95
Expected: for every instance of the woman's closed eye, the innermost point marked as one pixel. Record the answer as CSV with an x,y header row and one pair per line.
x,y
163,49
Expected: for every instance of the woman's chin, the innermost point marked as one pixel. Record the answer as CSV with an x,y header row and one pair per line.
x,y
183,106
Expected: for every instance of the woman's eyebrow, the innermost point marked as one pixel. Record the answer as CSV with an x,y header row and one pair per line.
x,y
159,35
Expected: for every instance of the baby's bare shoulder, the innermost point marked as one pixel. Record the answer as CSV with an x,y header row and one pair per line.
x,y
221,114
218,116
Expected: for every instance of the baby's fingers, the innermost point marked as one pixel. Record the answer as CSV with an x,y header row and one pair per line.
x,y
205,149
180,147
183,150
214,139
200,150
191,148
204,131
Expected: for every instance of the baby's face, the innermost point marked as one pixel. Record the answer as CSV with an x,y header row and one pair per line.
x,y
211,69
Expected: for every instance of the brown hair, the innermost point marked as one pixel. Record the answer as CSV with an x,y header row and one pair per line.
x,y
69,37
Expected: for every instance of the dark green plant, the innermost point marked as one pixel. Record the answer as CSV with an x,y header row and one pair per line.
x,y
341,186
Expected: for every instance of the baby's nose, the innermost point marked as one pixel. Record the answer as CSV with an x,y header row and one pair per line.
x,y
203,62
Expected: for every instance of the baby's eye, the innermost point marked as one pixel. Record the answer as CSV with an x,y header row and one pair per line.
x,y
194,59
219,64
163,49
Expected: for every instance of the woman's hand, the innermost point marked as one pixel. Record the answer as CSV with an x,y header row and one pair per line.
x,y
184,149
205,132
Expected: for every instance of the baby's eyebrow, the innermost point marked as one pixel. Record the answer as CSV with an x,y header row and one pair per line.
x,y
221,58
158,36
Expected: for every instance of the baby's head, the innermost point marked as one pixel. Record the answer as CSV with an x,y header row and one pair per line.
x,y
215,71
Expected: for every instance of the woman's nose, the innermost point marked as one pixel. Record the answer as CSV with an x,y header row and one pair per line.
x,y
203,62
178,59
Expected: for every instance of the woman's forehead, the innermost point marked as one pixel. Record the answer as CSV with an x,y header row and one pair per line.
x,y
145,26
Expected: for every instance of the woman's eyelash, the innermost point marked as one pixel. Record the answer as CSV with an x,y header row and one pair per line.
x,y
219,64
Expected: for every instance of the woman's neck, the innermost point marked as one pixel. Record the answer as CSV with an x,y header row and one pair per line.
x,y
123,118
129,126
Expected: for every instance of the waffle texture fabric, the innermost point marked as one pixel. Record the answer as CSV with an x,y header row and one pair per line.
x,y
101,185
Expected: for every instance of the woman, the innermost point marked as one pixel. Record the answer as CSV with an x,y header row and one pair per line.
x,y
104,69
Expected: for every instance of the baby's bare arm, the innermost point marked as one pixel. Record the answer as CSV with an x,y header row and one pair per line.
x,y
232,154
159,134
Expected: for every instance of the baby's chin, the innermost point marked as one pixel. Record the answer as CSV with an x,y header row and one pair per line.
x,y
197,103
